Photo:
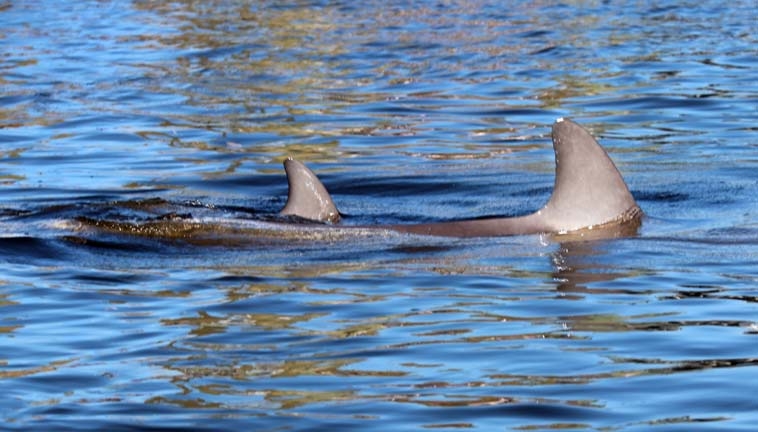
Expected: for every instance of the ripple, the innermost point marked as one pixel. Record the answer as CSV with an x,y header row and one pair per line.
x,y
152,112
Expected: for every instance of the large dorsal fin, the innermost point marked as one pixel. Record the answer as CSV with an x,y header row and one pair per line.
x,y
307,198
589,190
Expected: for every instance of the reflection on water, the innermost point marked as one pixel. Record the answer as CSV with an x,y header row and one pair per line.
x,y
136,116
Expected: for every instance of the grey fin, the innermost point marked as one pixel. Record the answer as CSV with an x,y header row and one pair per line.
x,y
307,198
589,190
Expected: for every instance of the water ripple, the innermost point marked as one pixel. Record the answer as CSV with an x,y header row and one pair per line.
x,y
124,115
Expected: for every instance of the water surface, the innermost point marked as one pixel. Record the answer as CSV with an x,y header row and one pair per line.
x,y
136,110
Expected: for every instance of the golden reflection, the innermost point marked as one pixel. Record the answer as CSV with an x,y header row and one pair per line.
x,y
291,399
474,152
21,116
575,264
362,329
287,368
556,426
686,419
257,289
573,87
491,338
8,179
206,323
281,399
662,367
13,153
9,329
18,373
449,426
453,403
196,403
4,300
451,332
273,70
146,293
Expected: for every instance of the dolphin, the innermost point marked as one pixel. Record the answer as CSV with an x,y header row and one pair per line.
x,y
590,201
589,193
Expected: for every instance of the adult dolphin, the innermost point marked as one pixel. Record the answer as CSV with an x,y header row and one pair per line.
x,y
589,192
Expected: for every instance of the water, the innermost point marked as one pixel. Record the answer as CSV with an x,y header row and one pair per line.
x,y
409,114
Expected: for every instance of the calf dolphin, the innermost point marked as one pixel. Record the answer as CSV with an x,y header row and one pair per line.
x,y
589,193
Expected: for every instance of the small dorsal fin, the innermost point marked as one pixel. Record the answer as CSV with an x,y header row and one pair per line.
x,y
307,198
589,190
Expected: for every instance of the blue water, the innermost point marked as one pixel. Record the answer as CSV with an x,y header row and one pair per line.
x,y
436,111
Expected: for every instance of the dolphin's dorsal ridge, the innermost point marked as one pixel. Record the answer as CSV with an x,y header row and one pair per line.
x,y
307,197
589,189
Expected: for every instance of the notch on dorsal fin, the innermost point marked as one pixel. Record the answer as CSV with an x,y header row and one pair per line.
x,y
307,198
589,190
